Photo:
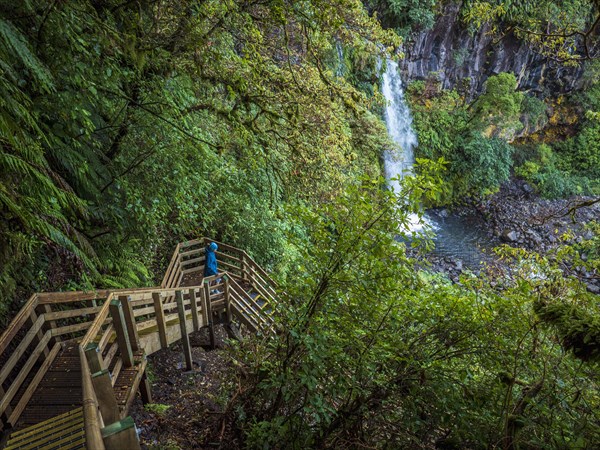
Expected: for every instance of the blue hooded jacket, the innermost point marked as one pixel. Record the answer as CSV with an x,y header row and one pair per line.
x,y
210,264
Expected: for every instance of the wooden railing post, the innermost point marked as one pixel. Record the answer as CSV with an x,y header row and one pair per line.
x,y
94,358
243,266
134,339
145,388
160,319
106,396
51,323
203,303
209,315
116,312
227,299
102,384
121,435
185,339
194,307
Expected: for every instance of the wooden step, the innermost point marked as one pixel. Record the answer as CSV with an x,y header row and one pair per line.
x,y
64,432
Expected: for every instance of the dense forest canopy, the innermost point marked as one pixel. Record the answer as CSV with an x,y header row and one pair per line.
x,y
128,126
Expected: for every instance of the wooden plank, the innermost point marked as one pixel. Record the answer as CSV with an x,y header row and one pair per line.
x,y
260,269
116,312
135,384
160,320
130,322
16,384
71,436
4,416
192,242
49,423
121,435
145,300
110,355
70,297
57,430
192,270
117,370
203,301
230,258
187,253
172,274
106,337
47,310
227,299
72,313
91,417
228,266
98,323
9,365
94,358
15,325
145,389
211,330
71,328
187,350
244,319
194,309
227,247
174,258
105,396
187,262
143,311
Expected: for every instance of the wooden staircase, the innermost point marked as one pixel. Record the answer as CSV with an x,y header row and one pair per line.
x,y
72,362
64,432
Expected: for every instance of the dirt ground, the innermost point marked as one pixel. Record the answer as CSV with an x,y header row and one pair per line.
x,y
187,407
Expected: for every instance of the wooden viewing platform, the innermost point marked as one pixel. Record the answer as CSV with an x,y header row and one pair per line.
x,y
72,362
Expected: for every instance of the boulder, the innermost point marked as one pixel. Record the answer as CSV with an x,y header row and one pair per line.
x,y
509,236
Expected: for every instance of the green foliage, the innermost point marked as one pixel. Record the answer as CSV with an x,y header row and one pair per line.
x,y
555,28
405,16
375,352
498,110
570,167
483,162
127,127
581,154
157,408
470,139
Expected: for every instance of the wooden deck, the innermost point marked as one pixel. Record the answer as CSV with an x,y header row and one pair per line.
x,y
58,392
73,362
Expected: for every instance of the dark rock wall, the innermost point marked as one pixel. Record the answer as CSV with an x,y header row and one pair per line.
x,y
464,60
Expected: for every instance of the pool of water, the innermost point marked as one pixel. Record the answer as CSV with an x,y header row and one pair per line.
x,y
459,237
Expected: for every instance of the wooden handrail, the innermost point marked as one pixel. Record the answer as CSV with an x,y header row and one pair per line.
x,y
17,323
91,417
45,324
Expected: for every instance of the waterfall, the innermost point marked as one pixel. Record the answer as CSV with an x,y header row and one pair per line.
x,y
397,162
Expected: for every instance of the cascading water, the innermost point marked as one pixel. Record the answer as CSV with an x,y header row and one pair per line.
x,y
457,237
398,162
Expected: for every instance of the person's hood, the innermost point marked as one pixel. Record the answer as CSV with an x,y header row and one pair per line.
x,y
213,247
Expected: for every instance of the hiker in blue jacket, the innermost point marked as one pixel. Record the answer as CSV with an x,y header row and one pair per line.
x,y
210,263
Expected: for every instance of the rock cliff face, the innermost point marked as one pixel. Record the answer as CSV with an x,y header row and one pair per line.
x,y
464,60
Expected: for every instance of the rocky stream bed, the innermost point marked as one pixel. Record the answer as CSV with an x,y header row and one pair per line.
x,y
516,216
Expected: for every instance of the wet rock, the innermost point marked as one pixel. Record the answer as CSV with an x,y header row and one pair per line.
x,y
464,60
509,236
593,288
